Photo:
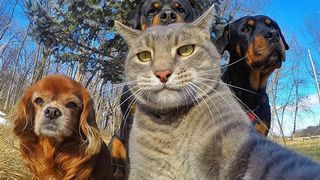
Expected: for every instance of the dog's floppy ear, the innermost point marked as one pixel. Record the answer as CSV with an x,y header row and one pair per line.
x,y
223,40
89,126
133,18
23,119
282,38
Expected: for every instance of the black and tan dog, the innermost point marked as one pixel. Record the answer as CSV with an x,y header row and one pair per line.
x,y
161,12
256,47
150,13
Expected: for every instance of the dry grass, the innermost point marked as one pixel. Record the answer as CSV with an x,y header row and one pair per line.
x,y
11,164
307,146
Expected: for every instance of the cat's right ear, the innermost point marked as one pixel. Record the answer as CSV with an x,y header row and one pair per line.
x,y
206,20
128,33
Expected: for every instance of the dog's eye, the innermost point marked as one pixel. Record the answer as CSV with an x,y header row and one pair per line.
x,y
38,101
186,50
71,105
246,29
144,56
180,10
152,10
272,26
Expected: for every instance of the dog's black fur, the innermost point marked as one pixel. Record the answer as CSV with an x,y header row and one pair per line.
x,y
259,46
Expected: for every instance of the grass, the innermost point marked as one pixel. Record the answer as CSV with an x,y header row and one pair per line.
x,y
307,146
12,166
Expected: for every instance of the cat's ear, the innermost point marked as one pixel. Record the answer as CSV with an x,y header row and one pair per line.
x,y
205,21
128,33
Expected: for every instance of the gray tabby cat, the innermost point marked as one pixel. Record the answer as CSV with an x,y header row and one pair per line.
x,y
188,124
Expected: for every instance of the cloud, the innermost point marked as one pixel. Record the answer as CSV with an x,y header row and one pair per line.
x,y
312,100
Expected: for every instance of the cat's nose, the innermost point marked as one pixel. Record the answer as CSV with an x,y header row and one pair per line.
x,y
163,75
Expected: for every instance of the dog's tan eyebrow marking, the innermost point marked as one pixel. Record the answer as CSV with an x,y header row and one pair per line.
x,y
176,4
156,5
267,21
250,22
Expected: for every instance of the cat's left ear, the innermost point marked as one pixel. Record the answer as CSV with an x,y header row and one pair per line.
x,y
128,33
205,21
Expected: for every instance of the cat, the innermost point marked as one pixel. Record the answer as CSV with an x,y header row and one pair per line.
x,y
188,125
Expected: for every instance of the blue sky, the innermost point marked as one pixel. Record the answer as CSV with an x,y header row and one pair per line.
x,y
291,16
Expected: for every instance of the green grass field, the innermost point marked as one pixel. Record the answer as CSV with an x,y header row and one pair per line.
x,y
12,166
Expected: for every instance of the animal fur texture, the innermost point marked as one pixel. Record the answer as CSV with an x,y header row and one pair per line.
x,y
188,124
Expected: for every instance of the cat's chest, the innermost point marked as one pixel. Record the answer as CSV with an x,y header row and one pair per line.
x,y
164,148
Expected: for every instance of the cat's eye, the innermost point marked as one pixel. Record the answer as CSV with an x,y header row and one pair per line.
x,y
186,50
39,101
71,105
246,29
144,56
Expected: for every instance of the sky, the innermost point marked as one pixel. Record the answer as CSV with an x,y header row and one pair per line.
x,y
291,16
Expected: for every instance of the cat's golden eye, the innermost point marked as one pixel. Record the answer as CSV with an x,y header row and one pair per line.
x,y
186,50
144,56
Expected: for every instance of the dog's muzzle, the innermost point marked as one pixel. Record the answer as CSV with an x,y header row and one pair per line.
x,y
168,16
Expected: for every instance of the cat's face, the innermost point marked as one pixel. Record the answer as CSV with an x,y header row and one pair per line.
x,y
171,66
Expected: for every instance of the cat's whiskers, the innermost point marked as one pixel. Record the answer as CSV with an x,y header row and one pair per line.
x,y
224,66
221,82
185,96
132,95
113,87
193,97
223,98
206,94
255,116
235,62
127,113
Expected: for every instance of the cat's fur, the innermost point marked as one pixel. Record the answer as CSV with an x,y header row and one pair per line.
x,y
191,127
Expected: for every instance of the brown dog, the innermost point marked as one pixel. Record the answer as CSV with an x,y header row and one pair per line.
x,y
257,47
59,138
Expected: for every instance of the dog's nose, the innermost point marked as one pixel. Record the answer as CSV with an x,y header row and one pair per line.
x,y
163,75
272,35
52,112
168,16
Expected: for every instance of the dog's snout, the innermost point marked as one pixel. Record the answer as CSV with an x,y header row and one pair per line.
x,y
168,16
52,112
272,35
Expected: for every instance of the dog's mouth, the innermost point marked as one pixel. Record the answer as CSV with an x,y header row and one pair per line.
x,y
167,22
275,59
49,128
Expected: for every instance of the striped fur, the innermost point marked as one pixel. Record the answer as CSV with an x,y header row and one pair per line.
x,y
191,127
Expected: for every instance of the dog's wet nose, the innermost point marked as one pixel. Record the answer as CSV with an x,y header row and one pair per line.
x,y
168,16
272,35
52,112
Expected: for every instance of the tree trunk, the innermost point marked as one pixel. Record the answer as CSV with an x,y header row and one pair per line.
x,y
41,67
